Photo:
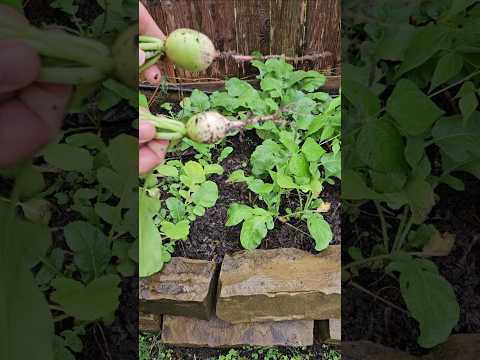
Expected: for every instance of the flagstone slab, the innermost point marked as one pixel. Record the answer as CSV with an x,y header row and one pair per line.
x,y
280,284
150,322
184,287
190,332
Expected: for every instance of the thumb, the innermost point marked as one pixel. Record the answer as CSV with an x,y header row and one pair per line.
x,y
141,57
19,65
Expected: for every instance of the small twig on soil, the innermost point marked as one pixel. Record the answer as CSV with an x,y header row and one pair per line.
x,y
107,350
376,297
299,230
246,58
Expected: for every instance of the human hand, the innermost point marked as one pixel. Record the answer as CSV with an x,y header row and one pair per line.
x,y
151,152
31,113
147,26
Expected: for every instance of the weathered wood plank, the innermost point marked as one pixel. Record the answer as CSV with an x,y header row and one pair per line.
x,y
287,26
291,27
323,33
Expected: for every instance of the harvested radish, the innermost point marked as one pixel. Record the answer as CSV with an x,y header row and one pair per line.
x,y
210,127
189,49
206,128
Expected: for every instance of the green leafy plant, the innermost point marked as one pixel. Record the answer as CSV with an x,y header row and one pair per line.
x,y
69,216
189,193
298,158
410,96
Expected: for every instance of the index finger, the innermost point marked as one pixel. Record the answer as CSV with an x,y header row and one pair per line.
x,y
148,26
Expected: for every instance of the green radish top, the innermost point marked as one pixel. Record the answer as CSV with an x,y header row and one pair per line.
x,y
125,56
190,50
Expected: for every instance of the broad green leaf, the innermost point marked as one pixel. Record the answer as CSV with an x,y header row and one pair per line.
x,y
35,239
332,164
30,182
253,231
213,169
125,265
354,187
151,252
468,104
110,214
25,317
110,180
287,138
320,231
430,299
199,210
90,246
68,157
362,98
421,199
206,195
92,302
411,108
194,171
176,207
236,213
122,91
38,211
259,186
225,153
457,140
395,41
298,165
86,139
380,146
423,45
312,150
167,170
266,156
178,231
123,155
285,181
237,176
448,67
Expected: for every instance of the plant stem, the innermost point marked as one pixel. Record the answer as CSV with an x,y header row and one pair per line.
x,y
366,261
400,227
71,75
405,232
383,223
455,83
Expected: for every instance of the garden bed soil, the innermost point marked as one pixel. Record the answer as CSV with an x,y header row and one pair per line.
x,y
364,318
209,238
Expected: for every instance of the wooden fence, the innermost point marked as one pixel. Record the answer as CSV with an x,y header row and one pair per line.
x,y
293,28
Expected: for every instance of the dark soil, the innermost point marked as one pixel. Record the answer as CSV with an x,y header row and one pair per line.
x,y
210,239
365,318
